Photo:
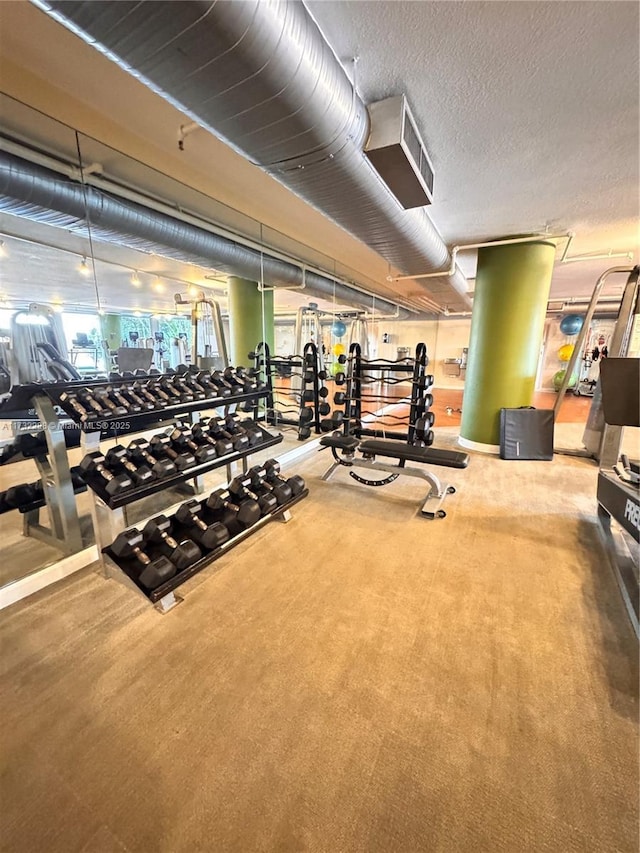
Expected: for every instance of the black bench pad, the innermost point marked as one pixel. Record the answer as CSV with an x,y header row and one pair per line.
x,y
340,441
409,453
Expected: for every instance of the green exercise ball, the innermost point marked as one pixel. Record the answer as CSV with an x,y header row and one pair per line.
x,y
559,377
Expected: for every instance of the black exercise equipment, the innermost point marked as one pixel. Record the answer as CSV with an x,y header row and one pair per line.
x,y
217,428
128,544
258,479
241,489
95,463
247,513
73,401
141,401
158,531
182,440
272,469
117,457
161,446
139,451
102,397
211,536
222,446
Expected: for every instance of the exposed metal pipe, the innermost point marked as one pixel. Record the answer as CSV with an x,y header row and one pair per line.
x,y
39,193
568,235
598,257
262,78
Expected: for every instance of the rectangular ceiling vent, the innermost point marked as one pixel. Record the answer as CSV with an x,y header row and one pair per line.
x,y
555,306
398,154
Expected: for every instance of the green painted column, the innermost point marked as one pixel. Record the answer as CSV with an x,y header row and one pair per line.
x,y
245,318
111,330
507,325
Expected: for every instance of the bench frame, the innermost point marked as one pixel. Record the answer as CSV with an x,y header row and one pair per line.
x,y
438,491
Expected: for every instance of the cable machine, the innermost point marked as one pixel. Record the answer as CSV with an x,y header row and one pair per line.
x,y
208,344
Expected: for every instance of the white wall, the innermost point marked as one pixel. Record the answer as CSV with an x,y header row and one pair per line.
x,y
444,338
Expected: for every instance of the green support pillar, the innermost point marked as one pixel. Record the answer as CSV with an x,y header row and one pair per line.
x,y
507,325
245,318
111,330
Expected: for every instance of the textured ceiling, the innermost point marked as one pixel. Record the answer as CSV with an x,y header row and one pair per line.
x,y
529,112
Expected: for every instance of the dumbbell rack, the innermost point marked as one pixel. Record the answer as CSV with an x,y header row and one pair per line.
x,y
309,393
64,532
164,597
365,372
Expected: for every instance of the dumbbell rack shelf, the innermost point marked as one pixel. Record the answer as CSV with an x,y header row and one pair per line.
x,y
21,401
163,596
139,421
128,497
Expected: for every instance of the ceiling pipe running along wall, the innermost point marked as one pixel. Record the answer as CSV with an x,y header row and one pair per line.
x,y
261,77
41,194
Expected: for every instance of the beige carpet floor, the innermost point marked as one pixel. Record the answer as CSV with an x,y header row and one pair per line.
x,y
360,679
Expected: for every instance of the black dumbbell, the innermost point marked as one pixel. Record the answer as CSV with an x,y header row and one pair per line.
x,y
142,391
240,489
176,395
212,536
117,457
253,433
139,449
186,386
258,479
201,389
229,375
95,463
222,386
157,391
143,404
115,411
161,446
154,572
182,439
222,446
132,406
203,378
240,441
23,494
74,403
183,554
246,513
339,378
272,469
87,399
324,409
237,426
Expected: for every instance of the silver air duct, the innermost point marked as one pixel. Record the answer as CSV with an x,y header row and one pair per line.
x,y
261,77
41,194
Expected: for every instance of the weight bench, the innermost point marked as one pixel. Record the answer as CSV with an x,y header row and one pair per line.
x,y
344,448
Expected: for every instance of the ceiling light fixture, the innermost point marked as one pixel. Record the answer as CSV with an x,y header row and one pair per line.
x,y
158,286
135,278
3,249
83,269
